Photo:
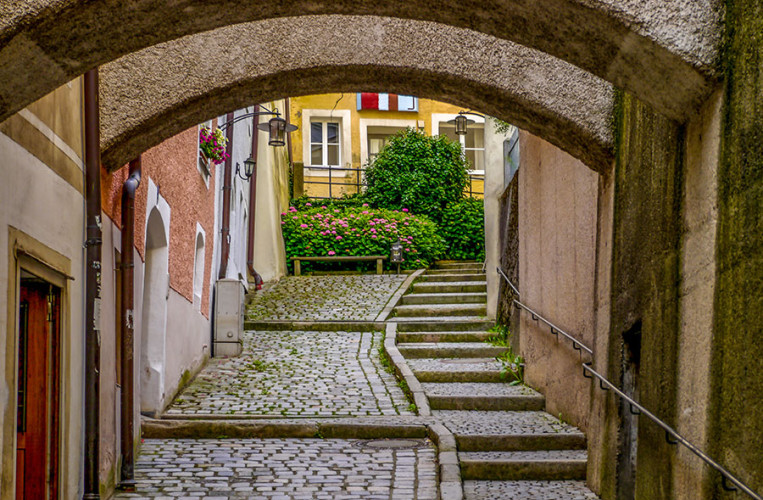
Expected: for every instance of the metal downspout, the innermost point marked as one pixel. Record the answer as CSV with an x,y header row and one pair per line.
x,y
253,204
93,285
225,231
127,306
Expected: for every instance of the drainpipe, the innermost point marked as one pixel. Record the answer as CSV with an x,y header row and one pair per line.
x,y
92,285
253,203
127,428
225,233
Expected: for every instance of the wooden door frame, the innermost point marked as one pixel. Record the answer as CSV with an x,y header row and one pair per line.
x,y
28,254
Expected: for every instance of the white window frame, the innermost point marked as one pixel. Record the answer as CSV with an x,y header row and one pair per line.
x,y
379,122
437,118
344,118
199,262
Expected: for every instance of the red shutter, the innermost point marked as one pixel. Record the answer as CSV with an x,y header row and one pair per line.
x,y
369,100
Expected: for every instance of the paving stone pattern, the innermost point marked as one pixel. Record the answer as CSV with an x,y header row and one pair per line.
x,y
282,468
296,373
325,298
523,490
502,422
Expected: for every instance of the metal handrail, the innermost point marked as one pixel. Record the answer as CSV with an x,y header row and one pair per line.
x,y
589,372
576,344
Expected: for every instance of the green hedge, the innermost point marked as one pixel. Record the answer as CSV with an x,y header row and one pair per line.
x,y
463,227
322,231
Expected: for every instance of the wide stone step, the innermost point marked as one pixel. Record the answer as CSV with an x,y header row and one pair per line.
x,y
476,396
431,278
451,264
454,270
455,324
527,465
450,287
421,350
413,337
444,298
456,370
441,310
527,490
510,431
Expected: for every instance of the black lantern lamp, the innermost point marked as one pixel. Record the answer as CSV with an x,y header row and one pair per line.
x,y
396,254
461,121
249,165
277,128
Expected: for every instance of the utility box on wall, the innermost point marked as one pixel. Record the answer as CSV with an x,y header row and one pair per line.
x,y
229,317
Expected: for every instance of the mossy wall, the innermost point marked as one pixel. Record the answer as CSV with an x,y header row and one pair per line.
x,y
509,244
737,369
645,274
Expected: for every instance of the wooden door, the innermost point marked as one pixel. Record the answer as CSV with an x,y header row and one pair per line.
x,y
37,397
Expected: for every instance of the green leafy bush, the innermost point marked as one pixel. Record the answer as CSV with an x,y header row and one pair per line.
x,y
304,202
463,227
357,231
419,172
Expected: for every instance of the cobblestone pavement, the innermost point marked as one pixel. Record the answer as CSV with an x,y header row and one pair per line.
x,y
522,490
219,469
325,298
297,374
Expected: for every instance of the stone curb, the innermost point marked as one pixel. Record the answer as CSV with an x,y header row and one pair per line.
x,y
451,487
402,370
222,429
315,326
395,300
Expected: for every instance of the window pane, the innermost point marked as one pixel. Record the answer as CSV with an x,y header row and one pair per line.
x,y
475,136
448,131
476,158
375,144
333,154
316,132
332,133
316,155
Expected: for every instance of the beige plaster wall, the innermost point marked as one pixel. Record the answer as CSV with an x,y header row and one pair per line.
x,y
39,202
558,198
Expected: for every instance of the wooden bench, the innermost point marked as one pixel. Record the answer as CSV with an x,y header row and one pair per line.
x,y
340,258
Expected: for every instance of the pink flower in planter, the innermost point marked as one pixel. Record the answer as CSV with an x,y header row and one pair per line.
x,y
331,252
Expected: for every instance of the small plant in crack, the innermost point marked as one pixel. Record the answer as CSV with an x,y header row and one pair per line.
x,y
512,367
502,336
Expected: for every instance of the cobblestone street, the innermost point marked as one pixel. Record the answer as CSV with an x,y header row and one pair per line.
x,y
325,298
284,468
297,374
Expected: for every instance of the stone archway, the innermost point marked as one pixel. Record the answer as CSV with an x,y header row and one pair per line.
x,y
666,53
153,94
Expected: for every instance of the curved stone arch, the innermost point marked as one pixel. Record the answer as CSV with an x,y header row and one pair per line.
x,y
156,93
666,53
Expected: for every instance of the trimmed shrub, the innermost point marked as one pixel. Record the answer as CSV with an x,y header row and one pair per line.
x,y
463,227
419,172
357,231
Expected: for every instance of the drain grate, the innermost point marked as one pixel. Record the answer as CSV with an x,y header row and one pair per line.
x,y
392,444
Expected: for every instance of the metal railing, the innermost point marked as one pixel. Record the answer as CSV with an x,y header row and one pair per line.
x,y
472,179
635,407
356,181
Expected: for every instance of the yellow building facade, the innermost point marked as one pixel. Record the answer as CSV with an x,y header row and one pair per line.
x,y
339,133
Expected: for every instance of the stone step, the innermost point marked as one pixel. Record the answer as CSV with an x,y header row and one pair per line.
x,y
450,287
524,465
510,431
442,323
527,490
441,310
453,270
444,298
456,370
476,396
462,324
451,264
421,350
412,337
432,278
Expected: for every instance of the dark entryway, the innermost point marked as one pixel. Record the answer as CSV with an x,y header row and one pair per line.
x,y
37,418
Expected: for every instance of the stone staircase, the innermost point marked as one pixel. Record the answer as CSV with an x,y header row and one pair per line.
x,y
508,446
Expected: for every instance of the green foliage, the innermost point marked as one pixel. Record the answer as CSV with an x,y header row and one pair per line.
x,y
512,367
358,231
418,172
304,203
463,227
502,336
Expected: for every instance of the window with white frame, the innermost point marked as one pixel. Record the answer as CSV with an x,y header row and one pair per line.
x,y
198,270
473,143
325,142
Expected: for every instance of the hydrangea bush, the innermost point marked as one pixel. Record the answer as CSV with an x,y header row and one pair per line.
x,y
318,230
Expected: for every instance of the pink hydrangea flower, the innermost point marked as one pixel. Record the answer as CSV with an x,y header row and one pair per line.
x,y
331,252
405,210
295,217
308,204
303,226
338,237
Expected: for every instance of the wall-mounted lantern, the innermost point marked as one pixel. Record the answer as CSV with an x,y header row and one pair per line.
x,y
461,121
249,165
396,254
277,128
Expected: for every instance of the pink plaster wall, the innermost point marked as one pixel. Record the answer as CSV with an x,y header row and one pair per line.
x,y
558,198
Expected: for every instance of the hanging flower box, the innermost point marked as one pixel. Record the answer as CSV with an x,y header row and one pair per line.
x,y
212,146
